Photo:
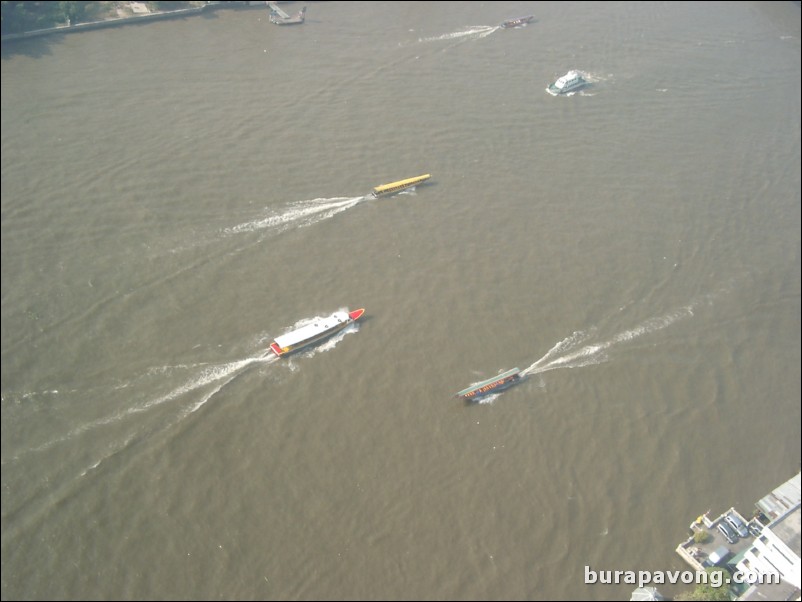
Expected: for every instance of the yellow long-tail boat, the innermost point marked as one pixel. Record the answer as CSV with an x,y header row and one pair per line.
x,y
393,187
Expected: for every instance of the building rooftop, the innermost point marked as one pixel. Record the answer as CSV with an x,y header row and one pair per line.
x,y
788,530
771,591
782,507
783,499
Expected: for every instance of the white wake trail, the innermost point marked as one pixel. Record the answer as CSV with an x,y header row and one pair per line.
x,y
562,356
476,31
298,214
211,374
207,376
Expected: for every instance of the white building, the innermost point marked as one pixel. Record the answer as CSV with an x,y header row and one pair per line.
x,y
776,551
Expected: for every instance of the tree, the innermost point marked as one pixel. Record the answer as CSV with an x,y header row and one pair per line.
x,y
18,17
706,591
73,11
701,537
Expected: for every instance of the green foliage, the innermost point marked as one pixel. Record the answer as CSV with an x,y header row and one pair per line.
x,y
706,591
701,537
19,17
28,16
73,11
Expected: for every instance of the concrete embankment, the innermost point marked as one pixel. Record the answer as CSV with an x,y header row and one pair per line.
x,y
136,19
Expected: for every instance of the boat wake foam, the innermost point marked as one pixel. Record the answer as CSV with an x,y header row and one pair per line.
x,y
111,442
298,215
574,351
568,353
217,375
474,32
487,399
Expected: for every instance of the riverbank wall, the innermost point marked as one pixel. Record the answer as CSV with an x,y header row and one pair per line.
x,y
117,22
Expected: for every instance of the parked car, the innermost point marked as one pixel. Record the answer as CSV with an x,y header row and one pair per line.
x,y
728,532
737,524
755,528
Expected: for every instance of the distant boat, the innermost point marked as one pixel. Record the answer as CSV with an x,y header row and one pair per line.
x,y
314,333
569,82
394,187
497,384
279,17
517,22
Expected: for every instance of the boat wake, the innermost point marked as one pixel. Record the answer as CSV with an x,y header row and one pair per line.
x,y
575,351
487,399
298,215
213,376
572,352
157,414
112,438
201,383
216,375
474,32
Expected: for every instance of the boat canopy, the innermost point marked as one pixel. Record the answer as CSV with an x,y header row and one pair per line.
x,y
312,330
568,77
490,381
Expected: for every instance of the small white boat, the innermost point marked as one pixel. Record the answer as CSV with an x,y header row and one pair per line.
x,y
315,332
570,82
